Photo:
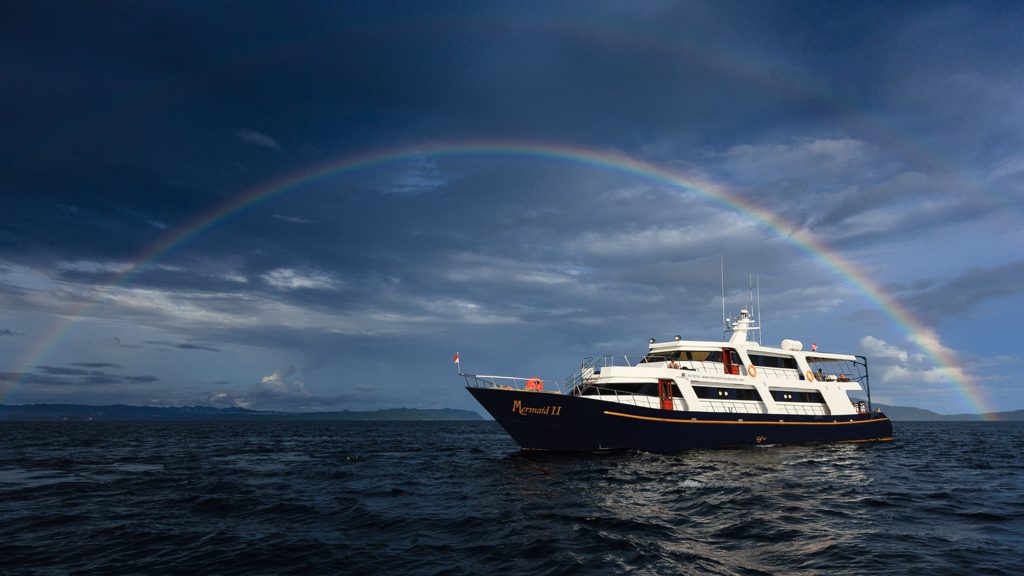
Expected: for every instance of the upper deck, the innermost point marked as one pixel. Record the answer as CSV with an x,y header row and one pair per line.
x,y
734,375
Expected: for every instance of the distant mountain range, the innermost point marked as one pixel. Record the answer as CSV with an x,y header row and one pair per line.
x,y
908,413
123,413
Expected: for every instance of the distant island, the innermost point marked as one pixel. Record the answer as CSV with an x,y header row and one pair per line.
x,y
909,413
124,413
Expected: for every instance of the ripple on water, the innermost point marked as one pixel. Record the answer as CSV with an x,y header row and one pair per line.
x,y
459,498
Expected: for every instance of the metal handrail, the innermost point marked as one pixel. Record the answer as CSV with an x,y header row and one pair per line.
x,y
580,376
618,394
505,382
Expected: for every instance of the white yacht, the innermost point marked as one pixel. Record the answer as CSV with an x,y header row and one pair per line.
x,y
687,394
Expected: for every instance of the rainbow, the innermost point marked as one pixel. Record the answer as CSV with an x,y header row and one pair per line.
x,y
916,331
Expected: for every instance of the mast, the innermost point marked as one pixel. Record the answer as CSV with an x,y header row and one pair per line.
x,y
750,292
757,279
722,266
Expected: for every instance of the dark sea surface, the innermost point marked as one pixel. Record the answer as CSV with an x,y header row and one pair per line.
x,y
459,498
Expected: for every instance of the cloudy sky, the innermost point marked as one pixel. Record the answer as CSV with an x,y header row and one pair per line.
x,y
430,178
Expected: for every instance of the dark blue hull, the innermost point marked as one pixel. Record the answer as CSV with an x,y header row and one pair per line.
x,y
545,421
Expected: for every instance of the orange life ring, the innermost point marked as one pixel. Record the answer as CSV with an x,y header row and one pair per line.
x,y
752,371
810,376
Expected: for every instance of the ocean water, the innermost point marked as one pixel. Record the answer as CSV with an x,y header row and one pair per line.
x,y
459,498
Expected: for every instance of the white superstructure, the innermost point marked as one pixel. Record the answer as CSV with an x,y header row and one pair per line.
x,y
734,376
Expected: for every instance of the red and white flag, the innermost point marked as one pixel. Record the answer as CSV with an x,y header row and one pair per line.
x,y
457,358
814,348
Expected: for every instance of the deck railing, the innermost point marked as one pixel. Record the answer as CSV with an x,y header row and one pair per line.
x,y
506,382
580,379
612,395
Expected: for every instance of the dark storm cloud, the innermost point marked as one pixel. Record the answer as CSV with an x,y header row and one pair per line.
x,y
148,82
64,371
96,364
9,332
182,345
965,293
139,379
44,375
186,346
457,73
116,342
855,195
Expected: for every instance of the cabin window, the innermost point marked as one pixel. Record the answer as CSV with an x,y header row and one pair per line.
x,y
803,396
719,393
774,361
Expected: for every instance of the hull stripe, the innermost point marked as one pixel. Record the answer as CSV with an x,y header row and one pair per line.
x,y
679,421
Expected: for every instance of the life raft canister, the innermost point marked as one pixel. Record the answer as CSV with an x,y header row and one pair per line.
x,y
535,384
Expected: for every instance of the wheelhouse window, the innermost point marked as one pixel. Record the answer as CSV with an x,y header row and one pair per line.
x,y
774,361
663,356
692,355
